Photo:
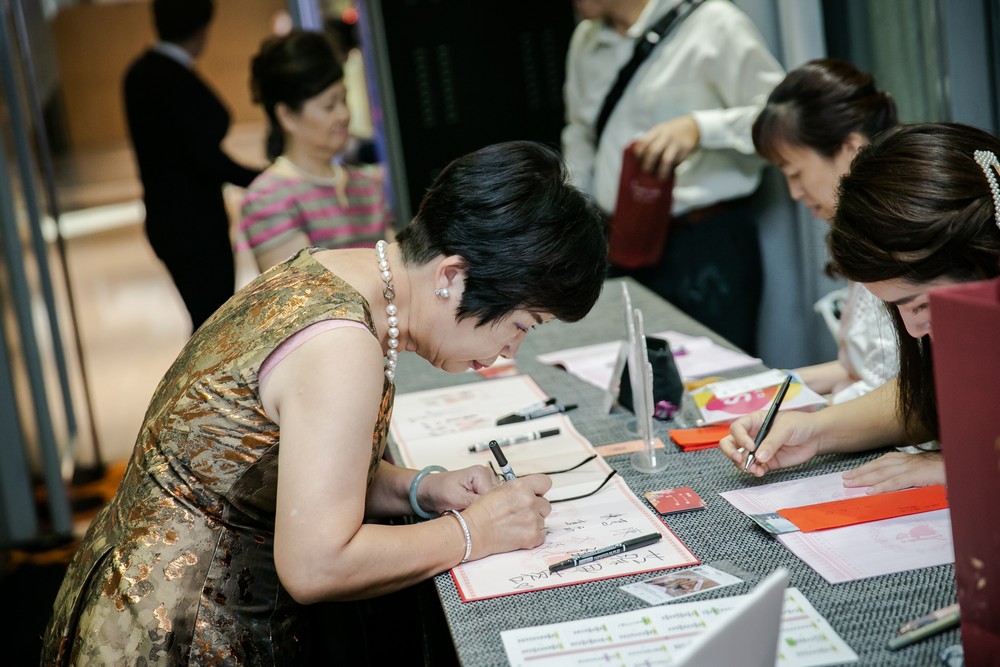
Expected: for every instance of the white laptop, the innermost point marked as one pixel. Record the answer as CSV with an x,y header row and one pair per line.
x,y
748,635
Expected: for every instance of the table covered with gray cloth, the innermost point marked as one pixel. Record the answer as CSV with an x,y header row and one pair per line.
x,y
864,613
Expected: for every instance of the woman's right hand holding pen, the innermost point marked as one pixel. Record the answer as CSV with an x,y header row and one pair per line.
x,y
794,439
510,516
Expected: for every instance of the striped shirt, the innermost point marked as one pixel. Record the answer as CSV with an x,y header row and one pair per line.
x,y
282,200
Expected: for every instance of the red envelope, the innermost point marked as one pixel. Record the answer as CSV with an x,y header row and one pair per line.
x,y
863,509
690,439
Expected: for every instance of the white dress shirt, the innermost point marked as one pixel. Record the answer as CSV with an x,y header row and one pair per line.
x,y
174,52
714,65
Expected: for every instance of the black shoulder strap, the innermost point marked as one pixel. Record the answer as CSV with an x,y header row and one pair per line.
x,y
643,47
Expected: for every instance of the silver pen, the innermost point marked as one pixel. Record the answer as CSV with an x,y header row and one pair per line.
x,y
514,439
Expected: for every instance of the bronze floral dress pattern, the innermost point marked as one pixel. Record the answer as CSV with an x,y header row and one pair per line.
x,y
179,567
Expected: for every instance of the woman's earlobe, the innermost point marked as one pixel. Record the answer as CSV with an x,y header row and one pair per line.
x,y
854,142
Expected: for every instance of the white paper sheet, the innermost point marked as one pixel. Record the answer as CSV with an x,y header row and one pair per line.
x,y
852,552
657,635
694,356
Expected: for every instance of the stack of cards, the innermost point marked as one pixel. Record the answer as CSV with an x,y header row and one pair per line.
x,y
670,501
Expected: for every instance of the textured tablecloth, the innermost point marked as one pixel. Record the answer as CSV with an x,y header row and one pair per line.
x,y
864,613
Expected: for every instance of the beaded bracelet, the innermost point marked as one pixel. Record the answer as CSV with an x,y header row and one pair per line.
x,y
465,530
417,509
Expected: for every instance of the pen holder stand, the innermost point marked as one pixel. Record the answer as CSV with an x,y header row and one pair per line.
x,y
648,459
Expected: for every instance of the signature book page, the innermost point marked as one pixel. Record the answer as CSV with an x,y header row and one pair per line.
x,y
438,426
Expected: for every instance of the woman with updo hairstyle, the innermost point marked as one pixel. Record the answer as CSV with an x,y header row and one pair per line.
x,y
916,212
308,196
811,128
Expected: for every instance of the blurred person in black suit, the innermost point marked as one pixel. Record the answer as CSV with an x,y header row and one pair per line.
x,y
177,124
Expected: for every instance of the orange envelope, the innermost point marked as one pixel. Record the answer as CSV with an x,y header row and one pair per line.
x,y
689,439
867,508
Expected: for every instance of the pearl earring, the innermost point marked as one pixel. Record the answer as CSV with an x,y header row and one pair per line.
x,y
442,292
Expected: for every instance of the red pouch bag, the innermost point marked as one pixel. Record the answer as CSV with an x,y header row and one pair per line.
x,y
642,215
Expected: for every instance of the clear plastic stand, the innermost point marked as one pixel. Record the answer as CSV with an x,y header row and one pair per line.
x,y
628,353
646,459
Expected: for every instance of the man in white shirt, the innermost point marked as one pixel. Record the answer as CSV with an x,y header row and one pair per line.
x,y
690,106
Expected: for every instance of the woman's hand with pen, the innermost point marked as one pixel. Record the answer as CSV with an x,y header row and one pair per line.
x,y
455,489
510,517
792,440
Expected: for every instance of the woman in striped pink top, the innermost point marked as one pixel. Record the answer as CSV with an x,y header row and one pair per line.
x,y
307,197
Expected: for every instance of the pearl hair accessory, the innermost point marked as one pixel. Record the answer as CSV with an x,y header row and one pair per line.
x,y
990,166
442,292
392,354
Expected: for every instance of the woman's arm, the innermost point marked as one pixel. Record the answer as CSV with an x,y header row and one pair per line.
x,y
325,396
822,378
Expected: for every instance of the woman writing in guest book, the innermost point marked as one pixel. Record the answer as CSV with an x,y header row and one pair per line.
x,y
812,126
211,551
919,209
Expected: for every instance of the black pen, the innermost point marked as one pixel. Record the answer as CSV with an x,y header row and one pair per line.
x,y
505,468
765,428
546,411
522,414
514,439
584,558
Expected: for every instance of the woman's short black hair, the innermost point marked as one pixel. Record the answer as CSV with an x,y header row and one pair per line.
x,y
292,69
177,21
529,239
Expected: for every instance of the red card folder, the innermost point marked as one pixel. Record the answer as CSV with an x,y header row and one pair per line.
x,y
967,380
863,509
642,215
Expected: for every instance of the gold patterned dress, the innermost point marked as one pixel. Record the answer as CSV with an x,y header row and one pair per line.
x,y
179,567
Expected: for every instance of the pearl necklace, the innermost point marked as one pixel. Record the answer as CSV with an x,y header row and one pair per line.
x,y
392,320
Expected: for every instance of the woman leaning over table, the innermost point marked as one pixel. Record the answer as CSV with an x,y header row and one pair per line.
x,y
308,196
211,550
919,209
812,126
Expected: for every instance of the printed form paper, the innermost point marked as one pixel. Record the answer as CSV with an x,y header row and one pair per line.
x,y
852,552
694,356
658,635
436,427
